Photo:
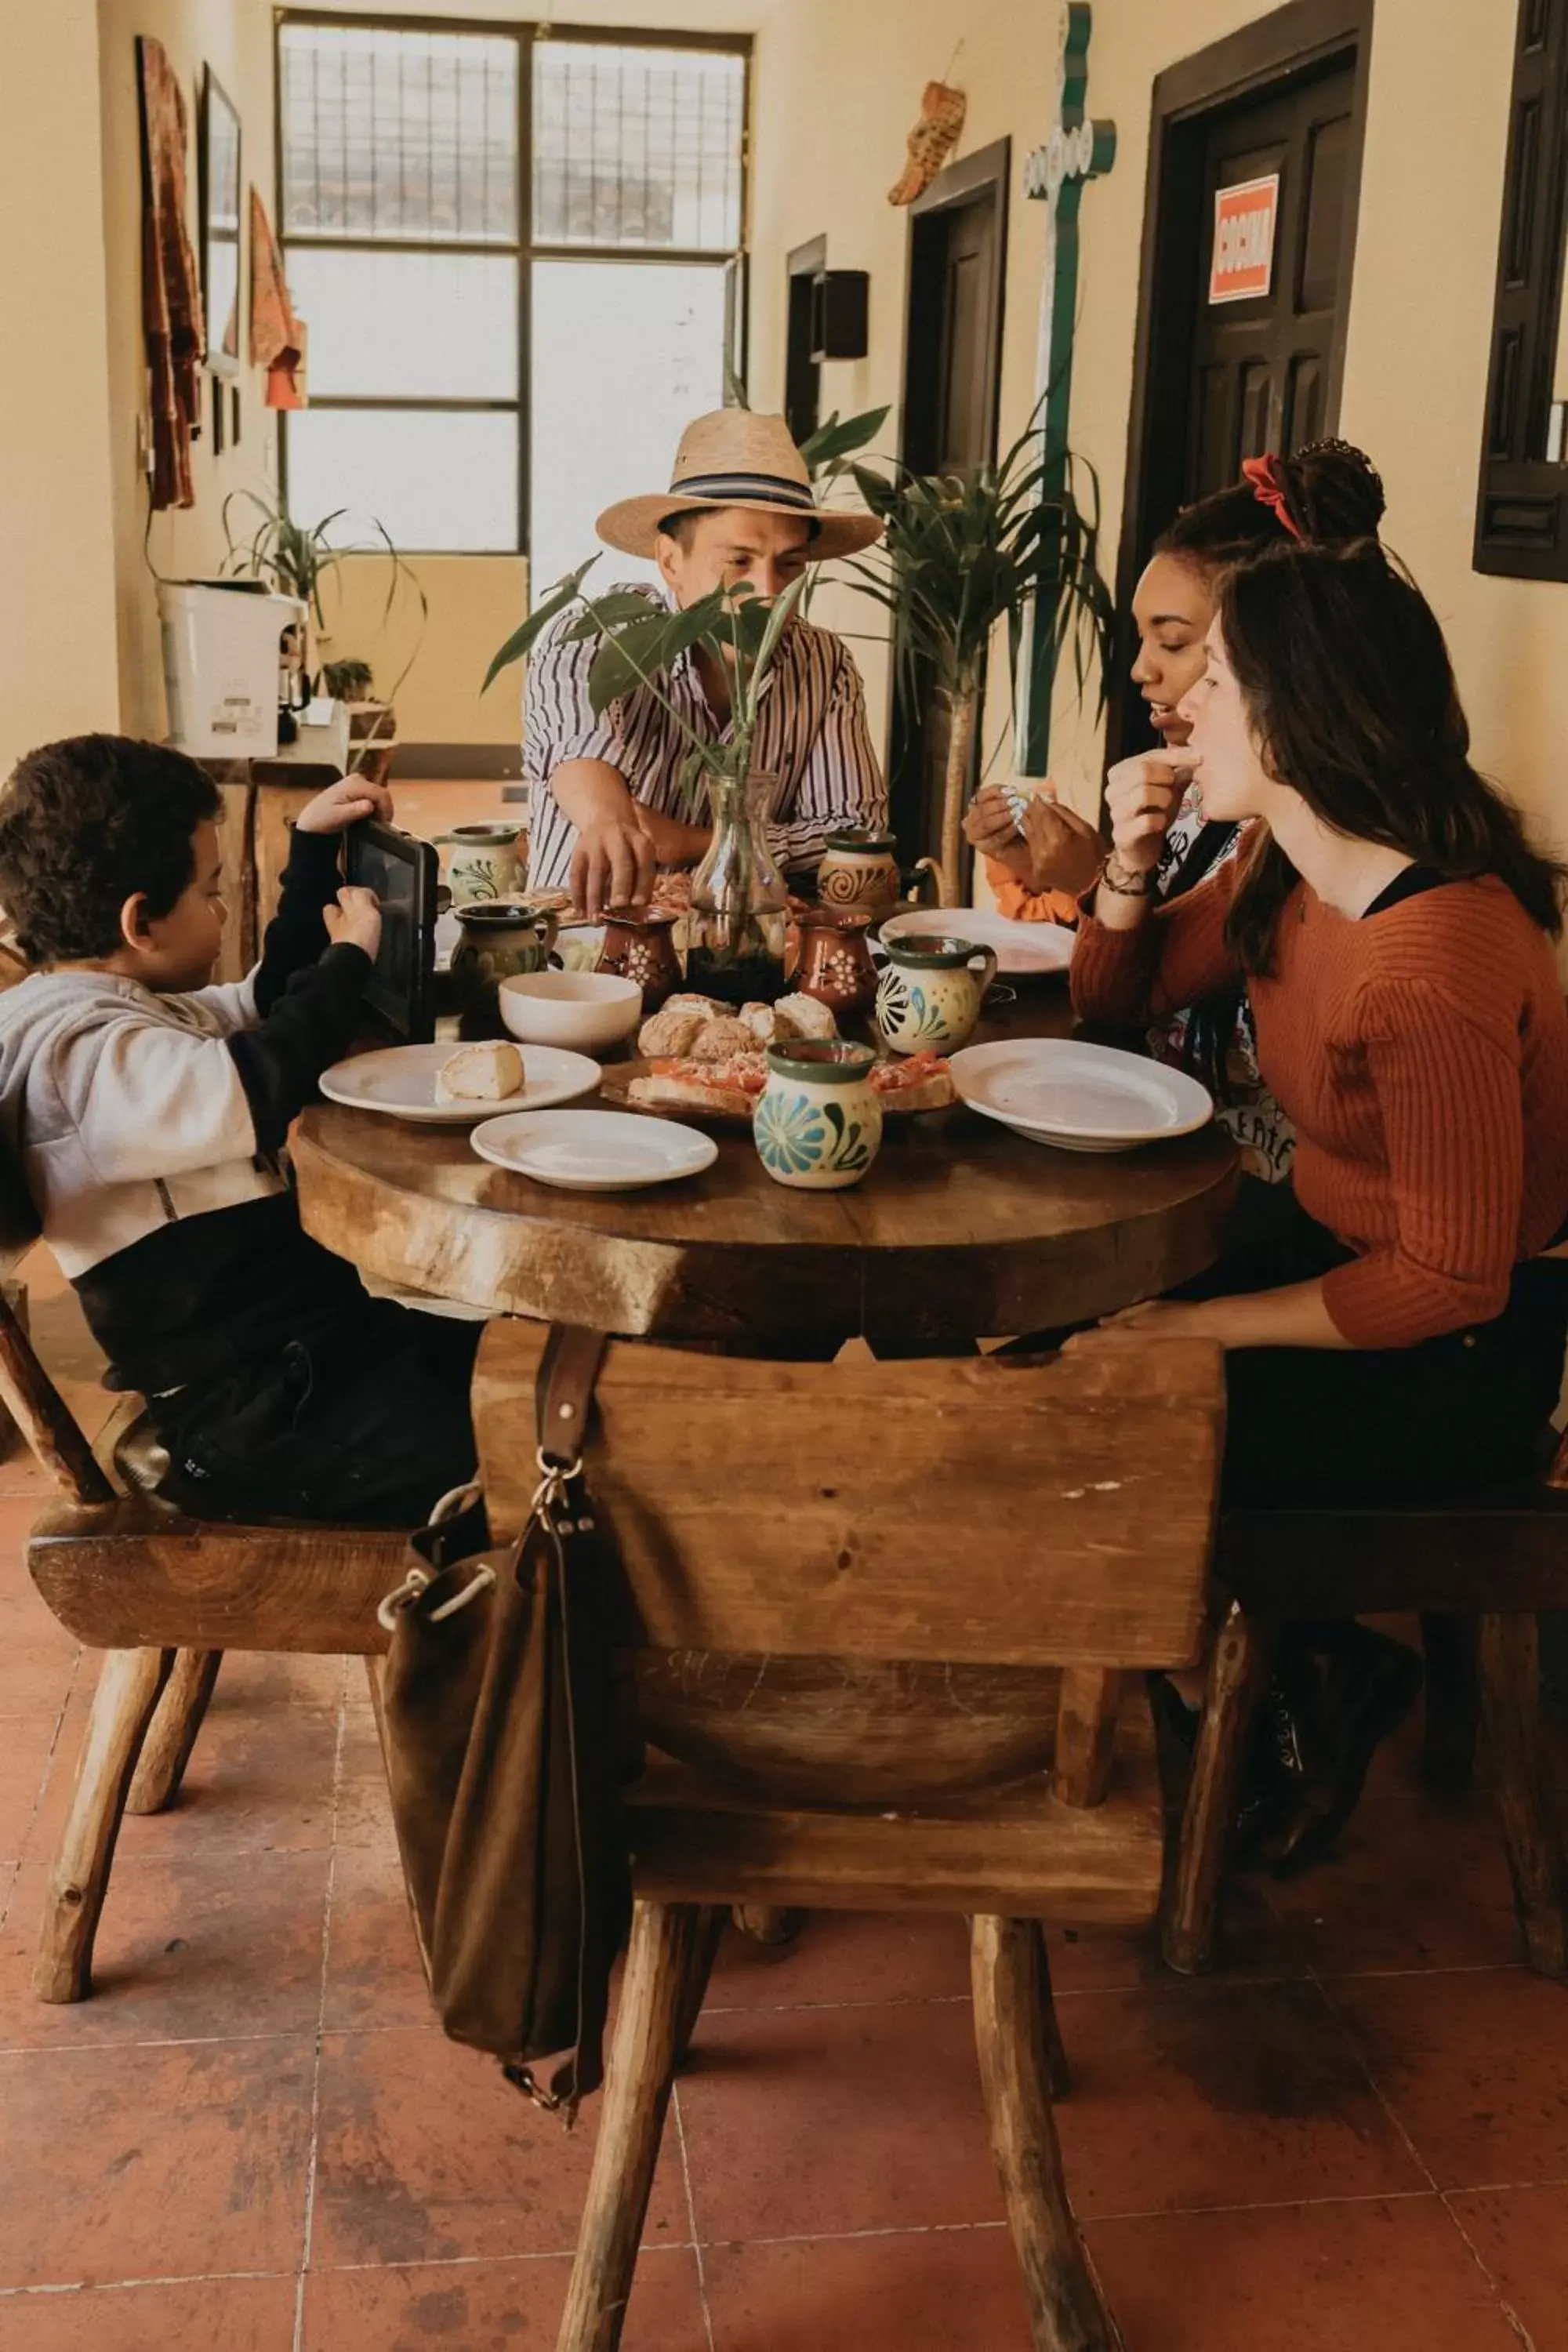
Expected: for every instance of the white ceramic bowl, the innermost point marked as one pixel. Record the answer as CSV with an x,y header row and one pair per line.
x,y
587,1012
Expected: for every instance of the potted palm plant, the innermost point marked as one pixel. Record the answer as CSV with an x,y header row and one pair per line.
x,y
961,554
296,559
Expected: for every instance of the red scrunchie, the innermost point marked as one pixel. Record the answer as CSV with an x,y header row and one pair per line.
x,y
1268,489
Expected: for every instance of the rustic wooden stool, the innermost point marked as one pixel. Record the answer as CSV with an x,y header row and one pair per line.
x,y
884,1619
1476,1573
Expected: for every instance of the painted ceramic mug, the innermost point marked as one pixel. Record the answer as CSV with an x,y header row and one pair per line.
x,y
930,992
818,1122
860,870
486,861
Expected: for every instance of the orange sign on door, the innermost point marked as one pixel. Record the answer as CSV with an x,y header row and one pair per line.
x,y
1244,220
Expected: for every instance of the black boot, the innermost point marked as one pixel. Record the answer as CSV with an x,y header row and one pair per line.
x,y
1369,1686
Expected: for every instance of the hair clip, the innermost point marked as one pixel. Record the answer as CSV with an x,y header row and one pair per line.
x,y
1268,489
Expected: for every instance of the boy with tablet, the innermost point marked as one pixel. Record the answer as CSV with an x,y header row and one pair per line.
x,y
146,1110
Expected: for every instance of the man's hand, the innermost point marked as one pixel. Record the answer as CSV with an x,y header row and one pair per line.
x,y
343,803
1143,795
355,920
612,865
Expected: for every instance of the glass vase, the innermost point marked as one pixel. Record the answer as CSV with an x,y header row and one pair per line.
x,y
739,906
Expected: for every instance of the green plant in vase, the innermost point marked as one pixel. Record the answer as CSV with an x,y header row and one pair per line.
x,y
736,932
960,555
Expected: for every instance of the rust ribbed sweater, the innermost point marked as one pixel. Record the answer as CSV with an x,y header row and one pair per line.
x,y
1422,1053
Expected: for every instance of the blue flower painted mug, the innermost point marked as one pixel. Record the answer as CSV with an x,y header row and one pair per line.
x,y
930,992
818,1122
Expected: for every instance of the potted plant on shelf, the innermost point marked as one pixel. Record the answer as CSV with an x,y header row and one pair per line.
x,y
372,726
735,929
961,554
296,559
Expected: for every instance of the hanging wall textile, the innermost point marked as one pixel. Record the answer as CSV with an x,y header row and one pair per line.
x,y
930,141
277,335
170,290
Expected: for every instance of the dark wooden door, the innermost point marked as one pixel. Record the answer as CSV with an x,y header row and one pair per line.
x,y
1261,367
953,352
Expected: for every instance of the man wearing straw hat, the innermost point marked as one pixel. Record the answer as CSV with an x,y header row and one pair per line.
x,y
608,800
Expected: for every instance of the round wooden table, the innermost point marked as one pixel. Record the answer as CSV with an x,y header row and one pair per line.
x,y
962,1230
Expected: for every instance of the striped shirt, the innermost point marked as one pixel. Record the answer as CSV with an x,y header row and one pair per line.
x,y
810,733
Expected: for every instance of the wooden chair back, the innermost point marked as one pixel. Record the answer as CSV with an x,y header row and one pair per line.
x,y
879,1583
984,1509
41,1414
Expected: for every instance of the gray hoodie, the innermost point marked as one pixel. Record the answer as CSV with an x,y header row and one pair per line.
x,y
124,1110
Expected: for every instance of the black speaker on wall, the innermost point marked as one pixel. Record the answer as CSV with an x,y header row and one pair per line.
x,y
840,314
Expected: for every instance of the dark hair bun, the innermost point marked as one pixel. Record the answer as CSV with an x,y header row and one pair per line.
x,y
1331,493
1334,492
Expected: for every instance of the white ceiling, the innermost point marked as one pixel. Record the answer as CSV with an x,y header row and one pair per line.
x,y
647,16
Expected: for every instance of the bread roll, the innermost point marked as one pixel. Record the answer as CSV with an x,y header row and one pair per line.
x,y
490,1071
716,1041
669,1033
804,1016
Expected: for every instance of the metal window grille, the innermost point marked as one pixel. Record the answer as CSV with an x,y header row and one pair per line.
x,y
398,135
636,147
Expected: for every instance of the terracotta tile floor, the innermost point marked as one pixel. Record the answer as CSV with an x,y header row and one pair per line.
x,y
253,2138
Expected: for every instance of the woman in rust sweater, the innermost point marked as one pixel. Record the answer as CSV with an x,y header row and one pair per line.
x,y
1401,1338
1393,928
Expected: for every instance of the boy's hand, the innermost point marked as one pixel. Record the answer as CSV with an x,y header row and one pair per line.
x,y
355,920
343,803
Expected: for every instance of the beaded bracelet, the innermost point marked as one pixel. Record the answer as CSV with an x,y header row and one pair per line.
x,y
1134,886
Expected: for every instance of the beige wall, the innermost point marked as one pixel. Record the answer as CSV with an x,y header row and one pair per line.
x,y
59,665
1421,304
476,602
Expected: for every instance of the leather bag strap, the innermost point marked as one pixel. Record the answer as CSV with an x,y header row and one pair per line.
x,y
564,1391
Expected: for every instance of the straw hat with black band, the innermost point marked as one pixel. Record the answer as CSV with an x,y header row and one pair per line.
x,y
734,458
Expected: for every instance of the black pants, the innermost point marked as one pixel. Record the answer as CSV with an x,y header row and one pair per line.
x,y
367,1426
1316,1426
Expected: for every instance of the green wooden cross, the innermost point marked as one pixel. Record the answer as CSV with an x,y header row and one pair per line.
x,y
1076,150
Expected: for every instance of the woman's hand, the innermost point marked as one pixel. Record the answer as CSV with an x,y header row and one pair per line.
x,y
343,803
1143,795
1153,1318
1293,1316
1056,849
355,920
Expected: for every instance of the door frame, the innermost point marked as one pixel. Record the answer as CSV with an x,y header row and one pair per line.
x,y
1294,45
988,169
960,183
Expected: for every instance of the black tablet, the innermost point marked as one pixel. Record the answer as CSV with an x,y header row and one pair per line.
x,y
402,871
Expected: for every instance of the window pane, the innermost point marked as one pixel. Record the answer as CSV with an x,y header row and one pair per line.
x,y
636,146
626,353
398,134
432,326
435,480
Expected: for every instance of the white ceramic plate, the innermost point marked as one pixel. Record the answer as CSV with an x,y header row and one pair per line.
x,y
594,1150
401,1081
1021,948
1082,1098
